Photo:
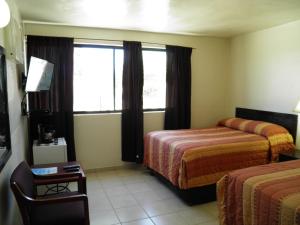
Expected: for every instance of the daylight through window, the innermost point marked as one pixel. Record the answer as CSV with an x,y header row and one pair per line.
x,y
98,78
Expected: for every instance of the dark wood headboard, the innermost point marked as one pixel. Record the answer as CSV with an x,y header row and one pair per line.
x,y
289,121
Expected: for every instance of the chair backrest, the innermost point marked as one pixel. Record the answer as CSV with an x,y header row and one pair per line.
x,y
23,177
22,180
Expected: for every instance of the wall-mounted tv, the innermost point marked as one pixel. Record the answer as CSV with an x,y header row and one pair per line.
x,y
39,75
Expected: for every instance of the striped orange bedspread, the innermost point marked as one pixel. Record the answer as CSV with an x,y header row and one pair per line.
x,y
261,195
279,138
197,157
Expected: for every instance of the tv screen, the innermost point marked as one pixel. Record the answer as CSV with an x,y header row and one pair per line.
x,y
39,75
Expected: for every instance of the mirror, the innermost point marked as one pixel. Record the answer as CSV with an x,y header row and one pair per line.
x,y
5,144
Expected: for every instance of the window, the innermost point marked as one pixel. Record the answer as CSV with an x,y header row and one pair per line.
x,y
93,79
98,78
154,93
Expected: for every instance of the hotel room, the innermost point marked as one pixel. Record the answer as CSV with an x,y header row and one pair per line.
x,y
240,55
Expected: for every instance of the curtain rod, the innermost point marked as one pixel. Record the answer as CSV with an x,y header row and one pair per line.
x,y
103,39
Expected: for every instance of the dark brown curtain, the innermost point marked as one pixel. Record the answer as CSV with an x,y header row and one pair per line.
x,y
132,103
178,90
59,100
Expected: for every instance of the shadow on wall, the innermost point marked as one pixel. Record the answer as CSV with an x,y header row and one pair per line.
x,y
9,208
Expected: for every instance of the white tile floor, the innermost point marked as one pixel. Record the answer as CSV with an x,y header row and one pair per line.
x,y
132,196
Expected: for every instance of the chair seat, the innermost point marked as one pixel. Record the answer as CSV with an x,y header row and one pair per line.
x,y
71,213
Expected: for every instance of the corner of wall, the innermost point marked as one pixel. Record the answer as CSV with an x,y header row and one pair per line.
x,y
11,39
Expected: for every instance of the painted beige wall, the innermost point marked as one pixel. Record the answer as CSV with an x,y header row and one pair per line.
x,y
265,69
100,147
9,212
98,140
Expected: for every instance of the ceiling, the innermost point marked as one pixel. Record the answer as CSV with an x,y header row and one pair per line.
x,y
222,18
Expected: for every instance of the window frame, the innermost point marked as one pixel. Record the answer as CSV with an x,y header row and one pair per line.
x,y
78,45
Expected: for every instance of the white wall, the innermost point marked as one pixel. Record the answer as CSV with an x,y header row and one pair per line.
x,y
265,69
98,140
9,212
101,146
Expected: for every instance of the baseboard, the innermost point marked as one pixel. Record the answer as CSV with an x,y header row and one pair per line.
x,y
110,168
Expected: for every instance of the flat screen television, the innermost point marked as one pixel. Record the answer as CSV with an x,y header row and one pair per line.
x,y
39,75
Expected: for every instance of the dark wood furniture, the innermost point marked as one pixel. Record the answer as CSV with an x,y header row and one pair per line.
x,y
69,208
285,156
62,176
208,193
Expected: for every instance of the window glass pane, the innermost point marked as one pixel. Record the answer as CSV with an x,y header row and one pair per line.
x,y
93,79
94,86
119,56
154,79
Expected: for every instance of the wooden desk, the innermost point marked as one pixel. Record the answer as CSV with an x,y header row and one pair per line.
x,y
62,176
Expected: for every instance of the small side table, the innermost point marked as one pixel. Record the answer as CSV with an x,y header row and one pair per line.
x,y
62,176
289,156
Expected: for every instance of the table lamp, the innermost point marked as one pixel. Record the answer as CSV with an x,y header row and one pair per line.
x,y
297,108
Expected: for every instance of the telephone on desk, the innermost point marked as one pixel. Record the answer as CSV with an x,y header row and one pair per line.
x,y
71,168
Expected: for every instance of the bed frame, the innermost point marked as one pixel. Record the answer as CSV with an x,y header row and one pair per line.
x,y
208,193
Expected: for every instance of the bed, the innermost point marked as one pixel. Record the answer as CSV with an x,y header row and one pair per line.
x,y
192,161
261,195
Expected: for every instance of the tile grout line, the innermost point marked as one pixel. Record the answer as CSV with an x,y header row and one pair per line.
x,y
138,203
148,217
114,209
111,204
108,200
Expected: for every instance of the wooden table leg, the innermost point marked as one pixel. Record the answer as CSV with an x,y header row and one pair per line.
x,y
82,185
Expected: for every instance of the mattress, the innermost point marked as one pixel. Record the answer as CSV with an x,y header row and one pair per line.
x,y
191,158
261,195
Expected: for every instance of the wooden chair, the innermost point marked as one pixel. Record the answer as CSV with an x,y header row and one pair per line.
x,y
69,208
